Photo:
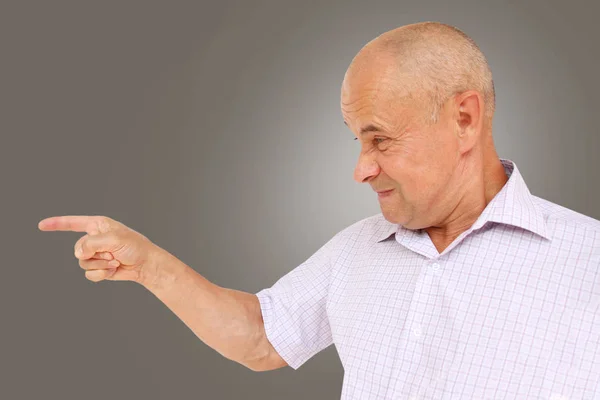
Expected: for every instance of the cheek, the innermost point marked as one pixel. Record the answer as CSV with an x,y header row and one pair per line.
x,y
414,165
434,161
405,176
420,182
419,169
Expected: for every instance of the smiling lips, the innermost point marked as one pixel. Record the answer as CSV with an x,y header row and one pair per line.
x,y
384,193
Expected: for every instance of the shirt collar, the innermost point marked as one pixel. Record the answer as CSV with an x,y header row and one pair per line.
x,y
512,205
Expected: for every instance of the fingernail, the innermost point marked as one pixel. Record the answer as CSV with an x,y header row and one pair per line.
x,y
78,252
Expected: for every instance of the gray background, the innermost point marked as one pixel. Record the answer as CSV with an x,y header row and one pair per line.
x,y
214,129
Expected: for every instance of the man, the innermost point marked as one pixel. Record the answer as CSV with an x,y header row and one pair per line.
x,y
465,286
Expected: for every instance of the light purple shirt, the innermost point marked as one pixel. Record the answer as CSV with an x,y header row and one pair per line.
x,y
510,310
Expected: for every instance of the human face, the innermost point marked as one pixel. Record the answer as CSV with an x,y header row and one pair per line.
x,y
400,152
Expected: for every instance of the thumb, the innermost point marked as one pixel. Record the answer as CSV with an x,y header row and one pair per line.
x,y
123,273
88,245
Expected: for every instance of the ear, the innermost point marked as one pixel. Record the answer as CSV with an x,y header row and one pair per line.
x,y
469,119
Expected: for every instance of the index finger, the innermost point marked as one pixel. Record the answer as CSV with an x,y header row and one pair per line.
x,y
91,224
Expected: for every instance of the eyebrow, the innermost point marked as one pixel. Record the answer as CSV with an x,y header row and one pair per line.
x,y
367,129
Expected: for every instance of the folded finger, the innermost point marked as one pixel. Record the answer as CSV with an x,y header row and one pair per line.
x,y
91,264
97,275
88,245
103,255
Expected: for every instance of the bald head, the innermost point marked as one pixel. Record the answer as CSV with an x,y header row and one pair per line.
x,y
421,100
427,62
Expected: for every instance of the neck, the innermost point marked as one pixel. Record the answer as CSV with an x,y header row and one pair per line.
x,y
481,180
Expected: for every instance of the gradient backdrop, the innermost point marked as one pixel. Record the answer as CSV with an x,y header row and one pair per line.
x,y
214,129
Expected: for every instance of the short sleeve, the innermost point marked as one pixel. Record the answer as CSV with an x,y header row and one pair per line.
x,y
294,308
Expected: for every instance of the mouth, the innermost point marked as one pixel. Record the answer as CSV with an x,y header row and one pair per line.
x,y
384,193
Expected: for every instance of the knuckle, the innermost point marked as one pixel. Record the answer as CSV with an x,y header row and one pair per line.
x,y
104,224
79,245
84,264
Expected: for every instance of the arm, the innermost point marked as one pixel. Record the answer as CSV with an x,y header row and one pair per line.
x,y
229,321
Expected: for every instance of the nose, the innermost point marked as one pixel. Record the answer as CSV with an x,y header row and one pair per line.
x,y
366,168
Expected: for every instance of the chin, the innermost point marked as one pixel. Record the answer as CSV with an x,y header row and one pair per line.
x,y
403,219
394,218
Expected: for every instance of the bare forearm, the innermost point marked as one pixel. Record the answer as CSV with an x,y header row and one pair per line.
x,y
229,321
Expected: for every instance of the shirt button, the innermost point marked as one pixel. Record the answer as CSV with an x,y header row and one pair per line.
x,y
417,331
435,267
558,396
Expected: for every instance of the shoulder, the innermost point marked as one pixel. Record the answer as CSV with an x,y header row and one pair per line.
x,y
558,217
367,229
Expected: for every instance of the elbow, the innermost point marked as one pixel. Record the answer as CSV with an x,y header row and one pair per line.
x,y
266,364
254,365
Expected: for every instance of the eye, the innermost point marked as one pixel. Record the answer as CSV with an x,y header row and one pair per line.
x,y
375,140
382,144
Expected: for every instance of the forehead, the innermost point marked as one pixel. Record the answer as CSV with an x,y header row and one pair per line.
x,y
369,97
374,77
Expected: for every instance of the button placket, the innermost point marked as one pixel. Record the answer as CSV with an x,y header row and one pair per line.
x,y
417,331
436,269
414,331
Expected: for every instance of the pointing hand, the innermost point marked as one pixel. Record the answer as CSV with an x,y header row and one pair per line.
x,y
110,250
